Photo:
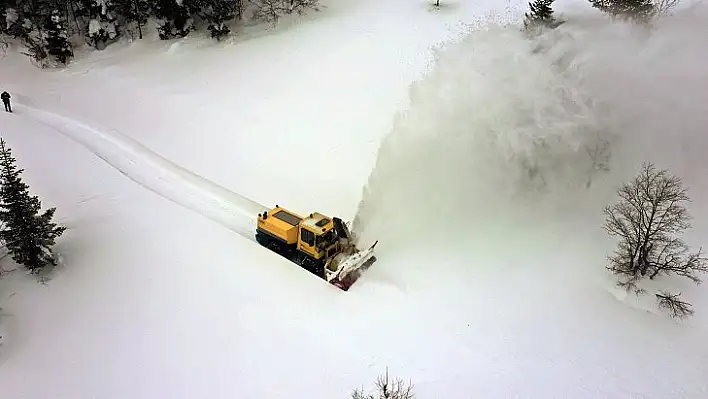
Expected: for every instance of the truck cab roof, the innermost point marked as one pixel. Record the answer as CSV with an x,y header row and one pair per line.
x,y
318,223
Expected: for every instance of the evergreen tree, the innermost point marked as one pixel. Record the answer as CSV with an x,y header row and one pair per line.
x,y
633,10
540,15
134,12
175,16
57,40
216,13
27,234
101,22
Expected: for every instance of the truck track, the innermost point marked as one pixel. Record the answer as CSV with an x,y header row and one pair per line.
x,y
156,173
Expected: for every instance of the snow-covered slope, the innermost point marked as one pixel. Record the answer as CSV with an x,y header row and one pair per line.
x,y
488,284
331,85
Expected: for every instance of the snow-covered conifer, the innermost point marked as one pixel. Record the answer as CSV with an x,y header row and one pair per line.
x,y
540,15
134,12
28,235
633,10
175,16
57,39
101,24
216,13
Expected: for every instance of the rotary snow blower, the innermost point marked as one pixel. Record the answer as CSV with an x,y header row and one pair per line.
x,y
322,245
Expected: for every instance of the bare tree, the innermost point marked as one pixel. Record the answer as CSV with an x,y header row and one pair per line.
x,y
662,7
599,158
673,303
648,220
386,389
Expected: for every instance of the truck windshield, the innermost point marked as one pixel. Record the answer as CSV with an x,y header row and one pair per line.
x,y
325,239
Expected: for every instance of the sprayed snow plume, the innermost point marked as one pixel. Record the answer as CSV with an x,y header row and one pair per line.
x,y
508,128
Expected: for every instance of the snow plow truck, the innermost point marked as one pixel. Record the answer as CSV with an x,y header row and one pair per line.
x,y
320,244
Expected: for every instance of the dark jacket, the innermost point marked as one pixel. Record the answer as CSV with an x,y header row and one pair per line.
x,y
5,97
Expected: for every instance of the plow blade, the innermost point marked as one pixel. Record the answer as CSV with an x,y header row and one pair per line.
x,y
349,268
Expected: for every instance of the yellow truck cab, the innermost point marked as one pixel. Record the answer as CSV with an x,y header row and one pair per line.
x,y
309,241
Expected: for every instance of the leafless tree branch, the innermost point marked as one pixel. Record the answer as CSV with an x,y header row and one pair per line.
x,y
387,389
672,303
662,7
272,10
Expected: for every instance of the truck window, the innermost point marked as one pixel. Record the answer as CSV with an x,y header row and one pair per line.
x,y
307,237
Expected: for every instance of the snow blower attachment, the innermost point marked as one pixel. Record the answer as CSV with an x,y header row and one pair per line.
x,y
320,244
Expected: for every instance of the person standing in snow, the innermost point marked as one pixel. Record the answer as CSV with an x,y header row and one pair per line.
x,y
6,100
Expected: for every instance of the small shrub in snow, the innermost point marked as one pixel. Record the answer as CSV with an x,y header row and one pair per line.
x,y
27,234
648,222
386,389
673,304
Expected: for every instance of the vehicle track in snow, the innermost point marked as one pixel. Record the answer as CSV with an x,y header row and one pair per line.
x,y
156,173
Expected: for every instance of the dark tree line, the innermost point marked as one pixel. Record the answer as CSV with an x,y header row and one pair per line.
x,y
47,27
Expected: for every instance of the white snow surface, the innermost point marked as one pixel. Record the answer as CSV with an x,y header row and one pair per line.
x,y
490,277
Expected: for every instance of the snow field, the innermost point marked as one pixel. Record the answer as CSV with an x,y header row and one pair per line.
x,y
487,284
98,320
353,70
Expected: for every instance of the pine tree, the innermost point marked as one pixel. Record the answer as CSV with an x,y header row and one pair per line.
x,y
101,22
57,41
541,14
134,12
216,13
175,17
633,10
27,234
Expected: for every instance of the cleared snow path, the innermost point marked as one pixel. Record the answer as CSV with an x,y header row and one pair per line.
x,y
157,173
